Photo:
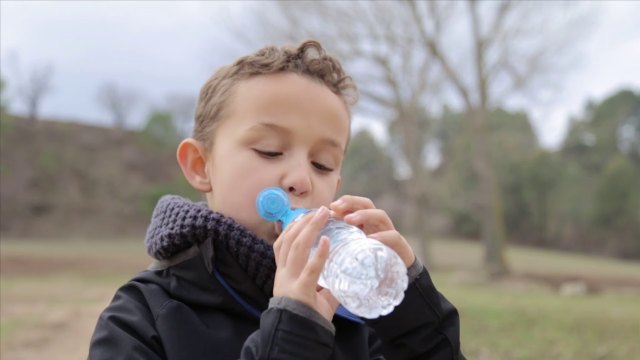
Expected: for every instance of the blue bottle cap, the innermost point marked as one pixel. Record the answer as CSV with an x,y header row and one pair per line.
x,y
272,203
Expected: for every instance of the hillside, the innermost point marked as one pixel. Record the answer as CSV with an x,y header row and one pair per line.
x,y
60,179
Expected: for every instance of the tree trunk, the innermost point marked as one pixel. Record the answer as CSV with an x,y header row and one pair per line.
x,y
492,217
415,188
32,112
415,219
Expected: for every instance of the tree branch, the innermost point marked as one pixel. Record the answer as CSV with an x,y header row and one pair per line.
x,y
479,54
430,43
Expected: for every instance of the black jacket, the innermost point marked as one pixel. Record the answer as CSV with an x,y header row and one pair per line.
x,y
201,304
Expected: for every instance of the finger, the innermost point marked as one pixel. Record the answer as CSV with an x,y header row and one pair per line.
x,y
289,235
331,300
277,245
397,243
299,253
370,220
311,273
347,204
330,303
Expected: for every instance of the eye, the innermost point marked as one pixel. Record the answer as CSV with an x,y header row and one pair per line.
x,y
321,167
267,154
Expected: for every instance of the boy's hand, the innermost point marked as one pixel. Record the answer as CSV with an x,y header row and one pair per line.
x,y
297,275
361,212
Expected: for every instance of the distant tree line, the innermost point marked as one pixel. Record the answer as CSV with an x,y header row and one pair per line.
x,y
30,88
584,196
165,124
492,180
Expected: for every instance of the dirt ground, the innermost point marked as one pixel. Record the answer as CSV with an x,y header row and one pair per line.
x,y
50,302
49,306
59,333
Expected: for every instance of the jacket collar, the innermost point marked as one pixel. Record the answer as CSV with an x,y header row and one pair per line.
x,y
246,261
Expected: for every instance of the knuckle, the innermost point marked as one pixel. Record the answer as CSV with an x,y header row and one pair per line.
x,y
380,213
347,198
369,203
295,245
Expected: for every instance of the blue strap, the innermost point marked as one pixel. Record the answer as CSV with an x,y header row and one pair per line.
x,y
342,312
253,311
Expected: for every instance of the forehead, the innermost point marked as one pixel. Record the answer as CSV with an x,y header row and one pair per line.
x,y
288,103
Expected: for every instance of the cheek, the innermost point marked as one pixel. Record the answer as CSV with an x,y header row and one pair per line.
x,y
328,192
244,190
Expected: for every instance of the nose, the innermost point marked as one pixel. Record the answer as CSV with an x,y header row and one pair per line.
x,y
297,180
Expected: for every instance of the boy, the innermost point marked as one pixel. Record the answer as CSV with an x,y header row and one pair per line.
x,y
230,285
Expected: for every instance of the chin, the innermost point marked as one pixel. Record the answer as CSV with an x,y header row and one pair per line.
x,y
270,239
267,237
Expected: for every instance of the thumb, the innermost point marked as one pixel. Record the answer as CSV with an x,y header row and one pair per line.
x,y
330,299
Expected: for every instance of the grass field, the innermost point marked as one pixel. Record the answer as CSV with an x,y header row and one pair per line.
x,y
52,292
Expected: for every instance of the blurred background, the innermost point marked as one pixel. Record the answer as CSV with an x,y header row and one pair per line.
x,y
502,137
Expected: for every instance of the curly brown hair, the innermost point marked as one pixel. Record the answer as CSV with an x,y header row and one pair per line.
x,y
307,59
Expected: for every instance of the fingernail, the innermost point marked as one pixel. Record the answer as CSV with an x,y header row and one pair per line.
x,y
321,211
337,203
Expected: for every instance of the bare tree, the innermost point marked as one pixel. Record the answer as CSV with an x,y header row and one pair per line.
x,y
33,89
3,101
119,102
182,107
509,50
487,53
396,80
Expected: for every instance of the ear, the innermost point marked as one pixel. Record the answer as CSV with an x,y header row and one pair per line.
x,y
193,161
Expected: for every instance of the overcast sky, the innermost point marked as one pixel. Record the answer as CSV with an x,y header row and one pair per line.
x,y
162,48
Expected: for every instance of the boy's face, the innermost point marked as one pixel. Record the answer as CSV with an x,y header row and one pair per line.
x,y
281,130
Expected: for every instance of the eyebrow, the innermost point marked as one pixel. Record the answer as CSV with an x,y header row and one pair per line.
x,y
284,131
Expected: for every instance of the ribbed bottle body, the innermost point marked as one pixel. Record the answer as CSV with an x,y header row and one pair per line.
x,y
366,276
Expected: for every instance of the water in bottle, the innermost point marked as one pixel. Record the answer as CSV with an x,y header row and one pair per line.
x,y
365,276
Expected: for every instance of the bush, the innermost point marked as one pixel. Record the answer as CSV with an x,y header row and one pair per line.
x,y
160,130
180,187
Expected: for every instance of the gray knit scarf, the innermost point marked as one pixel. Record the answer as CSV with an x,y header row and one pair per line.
x,y
177,224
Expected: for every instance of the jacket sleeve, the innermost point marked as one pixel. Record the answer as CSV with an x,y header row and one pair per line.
x,y
424,326
126,326
288,332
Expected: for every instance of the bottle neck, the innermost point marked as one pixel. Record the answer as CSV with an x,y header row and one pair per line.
x,y
292,215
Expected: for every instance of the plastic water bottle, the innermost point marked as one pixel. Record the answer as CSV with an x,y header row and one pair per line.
x,y
365,276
